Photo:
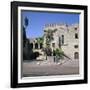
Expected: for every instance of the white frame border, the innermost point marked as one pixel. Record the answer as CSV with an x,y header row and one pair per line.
x,y
52,78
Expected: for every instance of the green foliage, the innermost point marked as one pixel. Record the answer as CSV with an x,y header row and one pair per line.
x,y
26,21
58,52
40,40
48,51
49,36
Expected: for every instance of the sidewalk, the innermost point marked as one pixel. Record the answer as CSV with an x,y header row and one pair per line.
x,y
44,68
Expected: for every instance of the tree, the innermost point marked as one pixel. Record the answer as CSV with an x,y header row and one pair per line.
x,y
24,31
59,52
40,40
49,37
24,37
25,40
26,21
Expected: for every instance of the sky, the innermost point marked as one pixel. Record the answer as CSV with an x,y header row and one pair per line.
x,y
37,20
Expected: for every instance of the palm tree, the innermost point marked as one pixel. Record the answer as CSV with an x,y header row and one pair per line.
x,y
40,40
49,37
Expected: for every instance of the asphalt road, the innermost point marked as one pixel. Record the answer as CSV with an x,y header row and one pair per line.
x,y
44,69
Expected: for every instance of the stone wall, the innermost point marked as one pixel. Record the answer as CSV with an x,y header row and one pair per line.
x,y
70,45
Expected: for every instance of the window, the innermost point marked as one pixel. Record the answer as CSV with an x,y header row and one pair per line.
x,y
76,55
31,45
53,44
36,46
59,42
41,45
75,28
75,46
76,36
62,39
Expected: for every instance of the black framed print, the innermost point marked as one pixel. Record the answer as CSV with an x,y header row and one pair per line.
x,y
48,44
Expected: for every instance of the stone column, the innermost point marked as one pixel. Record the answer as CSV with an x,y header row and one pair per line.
x,y
38,45
33,45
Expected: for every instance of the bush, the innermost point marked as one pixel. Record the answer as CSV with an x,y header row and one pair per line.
x,y
59,53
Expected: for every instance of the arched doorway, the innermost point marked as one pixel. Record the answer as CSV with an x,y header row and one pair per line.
x,y
31,45
76,55
36,45
41,45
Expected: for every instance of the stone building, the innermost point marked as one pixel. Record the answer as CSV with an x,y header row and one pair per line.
x,y
34,44
65,37
37,47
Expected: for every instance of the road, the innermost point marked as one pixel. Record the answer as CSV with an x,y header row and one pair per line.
x,y
44,69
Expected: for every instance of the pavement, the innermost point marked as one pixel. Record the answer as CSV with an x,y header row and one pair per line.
x,y
46,68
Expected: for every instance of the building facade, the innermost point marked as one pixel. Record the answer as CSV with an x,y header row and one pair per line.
x,y
65,37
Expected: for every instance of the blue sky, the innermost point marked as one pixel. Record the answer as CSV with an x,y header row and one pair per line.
x,y
37,20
